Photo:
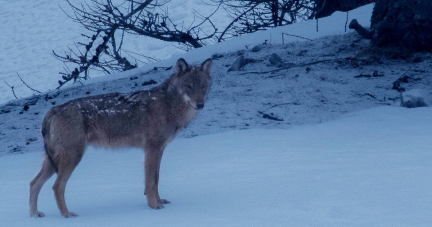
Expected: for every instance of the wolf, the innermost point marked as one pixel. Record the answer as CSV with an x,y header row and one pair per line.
x,y
147,119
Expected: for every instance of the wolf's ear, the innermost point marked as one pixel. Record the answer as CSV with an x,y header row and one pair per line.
x,y
181,66
206,66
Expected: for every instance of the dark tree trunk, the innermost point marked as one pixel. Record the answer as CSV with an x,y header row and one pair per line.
x,y
403,24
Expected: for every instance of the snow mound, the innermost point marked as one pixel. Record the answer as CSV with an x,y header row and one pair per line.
x,y
317,81
371,168
416,98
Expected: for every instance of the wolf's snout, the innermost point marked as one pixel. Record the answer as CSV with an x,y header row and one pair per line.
x,y
200,105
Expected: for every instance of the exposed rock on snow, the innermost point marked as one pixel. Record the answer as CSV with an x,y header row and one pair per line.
x,y
257,48
238,64
416,98
275,59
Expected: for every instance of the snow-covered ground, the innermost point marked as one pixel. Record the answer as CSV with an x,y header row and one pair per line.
x,y
371,168
367,168
31,30
246,99
239,100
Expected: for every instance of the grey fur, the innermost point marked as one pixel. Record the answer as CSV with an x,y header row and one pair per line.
x,y
145,119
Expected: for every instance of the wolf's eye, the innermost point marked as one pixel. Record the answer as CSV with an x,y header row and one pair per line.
x,y
203,86
189,86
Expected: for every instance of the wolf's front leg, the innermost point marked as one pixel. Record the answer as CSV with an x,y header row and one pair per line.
x,y
152,165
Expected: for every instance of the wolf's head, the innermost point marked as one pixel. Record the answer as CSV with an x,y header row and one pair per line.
x,y
191,82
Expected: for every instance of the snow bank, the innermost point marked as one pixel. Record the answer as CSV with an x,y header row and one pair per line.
x,y
371,168
331,25
34,29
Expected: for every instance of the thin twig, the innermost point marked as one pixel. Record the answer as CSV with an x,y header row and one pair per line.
x,y
297,36
13,91
234,21
287,103
28,85
370,95
288,67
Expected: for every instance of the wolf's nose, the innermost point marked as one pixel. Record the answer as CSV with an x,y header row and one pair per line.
x,y
200,106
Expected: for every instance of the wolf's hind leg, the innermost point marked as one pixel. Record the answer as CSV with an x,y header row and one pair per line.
x,y
36,184
66,165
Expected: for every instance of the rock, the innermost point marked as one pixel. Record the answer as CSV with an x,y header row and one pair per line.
x,y
238,64
416,98
275,59
216,56
417,58
256,48
150,82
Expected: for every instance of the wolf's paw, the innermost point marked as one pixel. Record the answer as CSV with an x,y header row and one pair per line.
x,y
164,201
156,206
70,215
37,214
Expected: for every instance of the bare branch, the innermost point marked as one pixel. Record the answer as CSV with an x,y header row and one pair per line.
x,y
28,85
288,67
297,36
140,17
253,15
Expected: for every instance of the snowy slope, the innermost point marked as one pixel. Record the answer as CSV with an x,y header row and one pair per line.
x,y
32,30
236,98
302,94
371,168
328,26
